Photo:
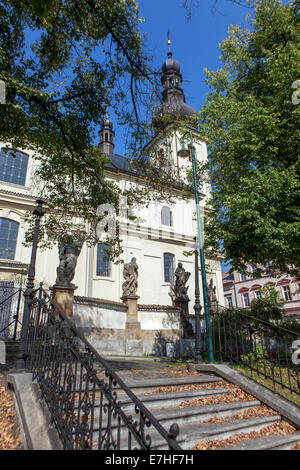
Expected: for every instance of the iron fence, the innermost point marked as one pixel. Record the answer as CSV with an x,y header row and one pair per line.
x,y
90,405
261,348
11,309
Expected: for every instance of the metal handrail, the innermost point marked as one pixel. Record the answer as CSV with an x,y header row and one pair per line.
x,y
41,372
15,317
261,347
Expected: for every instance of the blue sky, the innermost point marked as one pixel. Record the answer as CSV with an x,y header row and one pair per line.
x,y
194,43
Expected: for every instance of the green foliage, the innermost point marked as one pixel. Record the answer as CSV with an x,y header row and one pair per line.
x,y
256,359
253,131
63,64
268,306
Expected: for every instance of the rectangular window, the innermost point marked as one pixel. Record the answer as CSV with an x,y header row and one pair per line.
x,y
287,293
103,266
166,217
243,277
229,301
168,267
8,238
257,294
13,167
246,300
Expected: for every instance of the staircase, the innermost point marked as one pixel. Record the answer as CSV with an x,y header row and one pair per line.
x,y
211,413
107,404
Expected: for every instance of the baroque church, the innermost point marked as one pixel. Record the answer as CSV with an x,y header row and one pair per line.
x,y
165,232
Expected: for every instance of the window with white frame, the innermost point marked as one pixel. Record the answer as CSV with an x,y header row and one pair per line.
x,y
257,294
229,301
287,292
103,263
246,299
243,277
8,238
166,217
169,267
13,167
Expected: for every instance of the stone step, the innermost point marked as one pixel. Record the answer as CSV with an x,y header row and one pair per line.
x,y
194,432
162,400
171,399
219,431
171,381
144,386
171,415
267,443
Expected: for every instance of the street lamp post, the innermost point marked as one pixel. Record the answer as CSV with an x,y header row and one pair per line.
x,y
197,308
183,152
29,294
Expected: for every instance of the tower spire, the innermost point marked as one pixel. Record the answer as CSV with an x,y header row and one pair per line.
x,y
107,135
169,44
173,99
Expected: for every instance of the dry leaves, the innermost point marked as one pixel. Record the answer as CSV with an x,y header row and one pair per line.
x,y
187,387
180,372
254,412
228,397
9,432
281,428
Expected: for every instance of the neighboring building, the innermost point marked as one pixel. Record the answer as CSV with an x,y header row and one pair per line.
x,y
241,289
172,227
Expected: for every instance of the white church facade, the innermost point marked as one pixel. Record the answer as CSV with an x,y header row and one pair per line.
x,y
164,233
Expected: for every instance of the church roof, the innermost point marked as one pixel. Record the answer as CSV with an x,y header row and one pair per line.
x,y
117,162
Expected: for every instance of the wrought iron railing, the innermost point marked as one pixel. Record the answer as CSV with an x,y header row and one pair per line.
x,y
263,348
90,405
11,309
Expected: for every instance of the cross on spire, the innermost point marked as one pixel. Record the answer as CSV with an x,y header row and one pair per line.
x,y
169,43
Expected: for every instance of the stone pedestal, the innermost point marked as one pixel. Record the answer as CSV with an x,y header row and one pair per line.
x,y
133,334
186,329
64,297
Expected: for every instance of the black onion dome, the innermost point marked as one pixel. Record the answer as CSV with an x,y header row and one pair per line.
x,y
170,64
107,122
173,99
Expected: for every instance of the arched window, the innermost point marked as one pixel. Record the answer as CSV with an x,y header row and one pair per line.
x,y
8,238
103,265
13,167
169,267
166,217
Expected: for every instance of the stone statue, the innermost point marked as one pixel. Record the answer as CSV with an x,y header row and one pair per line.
x,y
172,292
181,278
130,274
68,254
212,297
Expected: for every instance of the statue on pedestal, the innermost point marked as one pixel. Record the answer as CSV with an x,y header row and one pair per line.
x,y
178,290
68,254
130,274
212,297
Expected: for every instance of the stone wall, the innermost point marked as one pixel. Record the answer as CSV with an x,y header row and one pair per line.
x,y
103,323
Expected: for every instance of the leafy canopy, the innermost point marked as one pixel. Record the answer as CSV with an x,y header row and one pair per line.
x,y
63,64
252,125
